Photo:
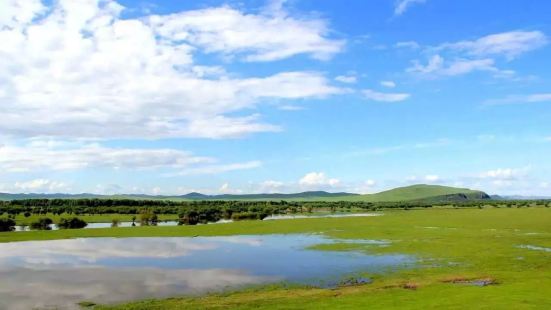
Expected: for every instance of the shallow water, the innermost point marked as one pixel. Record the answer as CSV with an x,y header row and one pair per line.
x,y
535,248
60,273
175,223
314,215
102,225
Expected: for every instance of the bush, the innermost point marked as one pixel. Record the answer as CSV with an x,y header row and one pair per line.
x,y
190,217
147,217
73,223
7,225
248,216
42,224
115,223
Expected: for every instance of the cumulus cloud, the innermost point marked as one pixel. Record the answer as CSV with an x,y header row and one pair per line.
x,y
40,185
78,69
384,97
270,36
403,5
318,180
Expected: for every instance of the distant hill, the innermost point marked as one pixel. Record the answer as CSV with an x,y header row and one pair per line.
x,y
310,195
302,195
520,197
421,192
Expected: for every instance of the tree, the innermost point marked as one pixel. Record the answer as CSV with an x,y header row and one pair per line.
x,y
7,224
73,223
42,224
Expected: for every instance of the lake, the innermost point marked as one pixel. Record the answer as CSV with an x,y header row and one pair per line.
x,y
223,221
61,273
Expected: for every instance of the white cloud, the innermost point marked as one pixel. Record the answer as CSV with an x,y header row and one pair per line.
x,y
262,37
366,187
437,66
17,12
40,186
349,79
400,147
290,107
432,178
408,44
429,178
77,63
271,186
520,99
389,84
403,5
222,168
509,44
505,174
56,156
464,57
226,189
318,180
385,97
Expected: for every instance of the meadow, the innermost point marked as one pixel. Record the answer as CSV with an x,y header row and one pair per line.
x,y
456,250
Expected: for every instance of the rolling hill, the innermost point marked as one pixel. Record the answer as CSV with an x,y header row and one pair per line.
x,y
420,192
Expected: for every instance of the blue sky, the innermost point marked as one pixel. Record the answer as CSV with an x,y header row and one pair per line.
x,y
169,97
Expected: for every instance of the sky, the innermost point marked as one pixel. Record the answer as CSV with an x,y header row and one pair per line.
x,y
171,97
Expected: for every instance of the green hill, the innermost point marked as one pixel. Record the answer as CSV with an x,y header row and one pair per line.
x,y
422,192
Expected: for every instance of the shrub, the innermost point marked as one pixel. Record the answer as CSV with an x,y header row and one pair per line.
x,y
7,225
249,216
42,224
73,223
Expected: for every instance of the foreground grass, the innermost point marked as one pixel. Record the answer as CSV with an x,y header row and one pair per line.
x,y
450,244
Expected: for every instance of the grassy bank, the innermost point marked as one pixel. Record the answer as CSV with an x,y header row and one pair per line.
x,y
452,246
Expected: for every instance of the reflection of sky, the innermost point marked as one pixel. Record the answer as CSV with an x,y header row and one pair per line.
x,y
86,269
311,216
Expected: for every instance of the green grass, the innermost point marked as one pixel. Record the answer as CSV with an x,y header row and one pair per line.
x,y
449,243
94,218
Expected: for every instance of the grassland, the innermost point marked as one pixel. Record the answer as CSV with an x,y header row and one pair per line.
x,y
453,245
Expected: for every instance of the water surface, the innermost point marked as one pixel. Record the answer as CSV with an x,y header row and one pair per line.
x,y
222,221
60,273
